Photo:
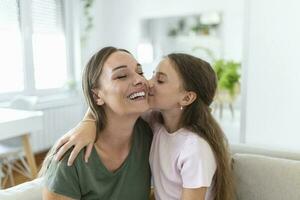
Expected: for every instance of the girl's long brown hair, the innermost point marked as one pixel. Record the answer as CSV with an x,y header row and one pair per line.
x,y
198,76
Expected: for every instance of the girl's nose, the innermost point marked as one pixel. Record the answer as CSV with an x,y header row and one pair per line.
x,y
151,83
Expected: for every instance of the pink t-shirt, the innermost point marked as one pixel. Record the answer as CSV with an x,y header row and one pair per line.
x,y
180,159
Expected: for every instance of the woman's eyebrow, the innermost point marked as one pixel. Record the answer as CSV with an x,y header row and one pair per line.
x,y
119,67
125,66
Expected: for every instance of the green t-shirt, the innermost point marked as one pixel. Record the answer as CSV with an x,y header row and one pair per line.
x,y
93,181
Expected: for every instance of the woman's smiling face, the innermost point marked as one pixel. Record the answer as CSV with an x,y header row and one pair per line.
x,y
122,87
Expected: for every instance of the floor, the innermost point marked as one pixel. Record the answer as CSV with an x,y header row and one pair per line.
x,y
19,178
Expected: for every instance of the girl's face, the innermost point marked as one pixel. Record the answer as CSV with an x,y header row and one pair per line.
x,y
166,88
123,89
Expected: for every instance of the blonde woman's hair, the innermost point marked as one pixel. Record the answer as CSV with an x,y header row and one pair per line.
x,y
90,77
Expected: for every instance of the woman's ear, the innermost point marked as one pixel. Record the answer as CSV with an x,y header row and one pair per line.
x,y
97,97
188,98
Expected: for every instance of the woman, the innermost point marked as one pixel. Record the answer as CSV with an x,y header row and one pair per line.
x,y
118,168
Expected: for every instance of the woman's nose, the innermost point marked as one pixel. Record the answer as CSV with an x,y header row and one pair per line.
x,y
140,80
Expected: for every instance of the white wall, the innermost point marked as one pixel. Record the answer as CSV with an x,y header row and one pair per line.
x,y
233,26
94,38
232,11
273,73
118,22
166,8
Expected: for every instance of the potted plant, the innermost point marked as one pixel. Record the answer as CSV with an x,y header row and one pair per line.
x,y
228,73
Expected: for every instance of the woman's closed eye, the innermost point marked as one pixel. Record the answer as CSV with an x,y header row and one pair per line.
x,y
121,76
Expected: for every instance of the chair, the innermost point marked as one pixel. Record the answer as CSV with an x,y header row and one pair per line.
x,y
12,159
11,152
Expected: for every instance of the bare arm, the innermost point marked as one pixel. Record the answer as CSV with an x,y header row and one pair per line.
x,y
83,135
193,194
47,195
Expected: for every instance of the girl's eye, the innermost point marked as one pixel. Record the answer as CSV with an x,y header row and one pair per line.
x,y
141,73
159,81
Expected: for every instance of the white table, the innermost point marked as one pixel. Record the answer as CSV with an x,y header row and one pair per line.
x,y
20,123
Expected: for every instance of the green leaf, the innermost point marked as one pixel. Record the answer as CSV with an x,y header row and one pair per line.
x,y
228,75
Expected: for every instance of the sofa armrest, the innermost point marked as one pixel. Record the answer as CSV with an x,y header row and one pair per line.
x,y
262,177
31,190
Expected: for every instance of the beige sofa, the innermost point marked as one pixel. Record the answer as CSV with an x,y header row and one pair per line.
x,y
265,174
261,174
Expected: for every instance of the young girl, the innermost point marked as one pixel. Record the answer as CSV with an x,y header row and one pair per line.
x,y
189,156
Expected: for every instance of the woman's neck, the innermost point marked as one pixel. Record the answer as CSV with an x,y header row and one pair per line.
x,y
171,119
118,130
115,141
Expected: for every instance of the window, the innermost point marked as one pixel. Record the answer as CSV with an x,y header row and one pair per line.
x,y
49,50
11,60
35,29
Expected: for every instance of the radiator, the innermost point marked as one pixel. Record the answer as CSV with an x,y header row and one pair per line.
x,y
57,120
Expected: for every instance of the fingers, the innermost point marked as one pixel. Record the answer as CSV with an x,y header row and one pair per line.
x,y
88,152
63,150
61,142
74,154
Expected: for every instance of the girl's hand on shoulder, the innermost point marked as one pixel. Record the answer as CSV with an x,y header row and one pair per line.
x,y
83,135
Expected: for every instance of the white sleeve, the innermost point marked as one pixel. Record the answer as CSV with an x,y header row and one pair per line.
x,y
196,163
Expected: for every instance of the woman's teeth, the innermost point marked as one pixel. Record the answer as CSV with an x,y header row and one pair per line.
x,y
136,95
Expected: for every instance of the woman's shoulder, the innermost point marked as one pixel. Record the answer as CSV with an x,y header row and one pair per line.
x,y
143,131
57,170
63,163
61,178
142,125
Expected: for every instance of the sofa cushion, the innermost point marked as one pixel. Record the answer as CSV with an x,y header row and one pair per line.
x,y
31,190
266,178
